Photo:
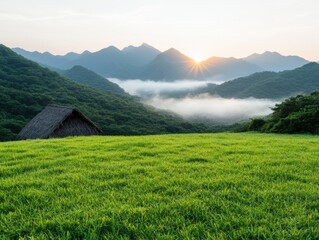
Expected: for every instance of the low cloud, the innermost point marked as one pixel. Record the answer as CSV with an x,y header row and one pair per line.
x,y
139,87
214,107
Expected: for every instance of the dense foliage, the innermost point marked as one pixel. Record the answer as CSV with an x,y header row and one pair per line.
x,y
89,78
214,186
271,85
298,114
26,88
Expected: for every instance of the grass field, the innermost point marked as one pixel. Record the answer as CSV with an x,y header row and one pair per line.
x,y
209,186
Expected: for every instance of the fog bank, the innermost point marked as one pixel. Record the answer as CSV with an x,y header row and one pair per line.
x,y
215,107
139,87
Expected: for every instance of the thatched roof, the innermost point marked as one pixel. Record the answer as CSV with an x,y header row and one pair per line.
x,y
47,121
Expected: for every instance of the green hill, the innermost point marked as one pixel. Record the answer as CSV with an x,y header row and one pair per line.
x,y
213,186
272,85
89,78
26,88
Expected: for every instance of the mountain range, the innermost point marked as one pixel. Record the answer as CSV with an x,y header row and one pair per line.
x,y
148,63
26,88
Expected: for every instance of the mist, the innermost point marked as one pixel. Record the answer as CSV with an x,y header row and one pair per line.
x,y
206,106
140,87
201,106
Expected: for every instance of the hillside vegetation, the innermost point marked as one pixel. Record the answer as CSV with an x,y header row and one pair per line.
x,y
26,88
298,114
89,78
212,186
272,85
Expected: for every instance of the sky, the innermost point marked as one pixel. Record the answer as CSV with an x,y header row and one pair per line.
x,y
198,28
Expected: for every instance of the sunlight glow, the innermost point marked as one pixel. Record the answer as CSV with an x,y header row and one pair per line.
x,y
198,59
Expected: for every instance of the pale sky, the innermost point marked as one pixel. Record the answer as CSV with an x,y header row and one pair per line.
x,y
198,28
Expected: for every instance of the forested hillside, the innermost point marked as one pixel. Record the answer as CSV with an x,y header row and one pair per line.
x,y
89,78
272,85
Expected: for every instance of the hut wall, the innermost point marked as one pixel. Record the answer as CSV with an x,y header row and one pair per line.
x,y
74,126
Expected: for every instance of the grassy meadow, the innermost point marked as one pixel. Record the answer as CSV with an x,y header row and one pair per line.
x,y
196,186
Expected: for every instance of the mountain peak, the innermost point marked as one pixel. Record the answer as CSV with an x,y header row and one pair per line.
x,y
110,49
264,54
128,48
274,61
142,46
76,67
174,55
140,55
173,52
145,45
271,53
86,52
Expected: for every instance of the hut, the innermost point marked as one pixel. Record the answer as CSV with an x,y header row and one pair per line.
x,y
57,122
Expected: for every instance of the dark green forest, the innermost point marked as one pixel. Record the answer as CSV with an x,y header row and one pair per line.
x,y
26,88
298,114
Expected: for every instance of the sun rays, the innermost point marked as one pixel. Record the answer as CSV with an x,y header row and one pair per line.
x,y
196,69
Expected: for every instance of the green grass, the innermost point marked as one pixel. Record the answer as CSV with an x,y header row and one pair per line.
x,y
209,186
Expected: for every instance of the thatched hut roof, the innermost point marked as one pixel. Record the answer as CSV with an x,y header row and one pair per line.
x,y
48,120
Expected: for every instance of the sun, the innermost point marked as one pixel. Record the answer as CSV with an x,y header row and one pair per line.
x,y
198,59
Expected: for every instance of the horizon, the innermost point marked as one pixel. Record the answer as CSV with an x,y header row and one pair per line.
x,y
162,51
199,30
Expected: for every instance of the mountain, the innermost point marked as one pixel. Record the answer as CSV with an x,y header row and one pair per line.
x,y
228,68
141,55
273,61
26,88
272,85
89,78
168,66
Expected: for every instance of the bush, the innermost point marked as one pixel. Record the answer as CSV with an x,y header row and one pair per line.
x,y
298,114
256,124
